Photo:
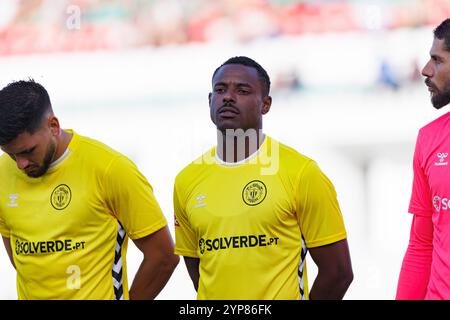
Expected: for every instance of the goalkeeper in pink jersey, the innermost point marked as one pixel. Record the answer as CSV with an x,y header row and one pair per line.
x,y
425,273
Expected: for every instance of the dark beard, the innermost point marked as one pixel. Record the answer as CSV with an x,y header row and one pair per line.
x,y
441,98
47,161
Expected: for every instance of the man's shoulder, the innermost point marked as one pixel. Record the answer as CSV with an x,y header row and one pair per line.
x,y
7,165
99,156
4,159
289,156
96,148
194,169
436,125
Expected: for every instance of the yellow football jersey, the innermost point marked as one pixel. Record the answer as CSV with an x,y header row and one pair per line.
x,y
250,223
69,228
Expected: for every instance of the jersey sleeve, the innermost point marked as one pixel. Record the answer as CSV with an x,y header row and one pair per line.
x,y
420,202
185,237
318,211
4,231
416,266
130,198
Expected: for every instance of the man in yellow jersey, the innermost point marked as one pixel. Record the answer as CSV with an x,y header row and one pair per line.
x,y
248,210
68,205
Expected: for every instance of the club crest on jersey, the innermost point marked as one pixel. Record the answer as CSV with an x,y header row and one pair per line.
x,y
254,193
61,197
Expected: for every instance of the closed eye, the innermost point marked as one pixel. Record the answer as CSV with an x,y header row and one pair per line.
x,y
27,152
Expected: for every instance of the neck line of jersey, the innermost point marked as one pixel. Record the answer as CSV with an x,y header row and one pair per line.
x,y
255,154
69,150
61,159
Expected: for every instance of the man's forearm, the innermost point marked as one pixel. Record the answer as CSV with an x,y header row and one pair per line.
x,y
416,266
330,286
151,278
414,275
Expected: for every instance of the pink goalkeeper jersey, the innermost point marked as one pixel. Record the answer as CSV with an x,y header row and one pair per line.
x,y
430,197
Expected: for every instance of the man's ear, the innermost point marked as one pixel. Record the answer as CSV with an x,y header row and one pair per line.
x,y
209,99
267,102
53,124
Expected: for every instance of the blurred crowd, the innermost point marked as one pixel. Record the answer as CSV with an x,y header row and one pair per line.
x,y
30,26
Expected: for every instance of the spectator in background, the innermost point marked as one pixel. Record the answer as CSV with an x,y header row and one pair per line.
x,y
387,76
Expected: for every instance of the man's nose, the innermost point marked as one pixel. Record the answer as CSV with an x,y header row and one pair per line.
x,y
229,96
427,71
22,163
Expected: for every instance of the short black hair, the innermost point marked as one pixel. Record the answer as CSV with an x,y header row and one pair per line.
x,y
23,105
443,32
248,62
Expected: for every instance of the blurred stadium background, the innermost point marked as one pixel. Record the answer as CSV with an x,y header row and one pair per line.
x,y
347,92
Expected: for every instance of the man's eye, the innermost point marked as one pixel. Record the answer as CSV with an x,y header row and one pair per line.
x,y
27,152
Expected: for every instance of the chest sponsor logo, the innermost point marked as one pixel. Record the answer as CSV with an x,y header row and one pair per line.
x,y
61,197
442,157
234,242
13,200
440,203
24,247
254,193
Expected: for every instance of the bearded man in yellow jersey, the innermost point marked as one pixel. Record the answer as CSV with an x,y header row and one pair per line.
x,y
248,211
69,203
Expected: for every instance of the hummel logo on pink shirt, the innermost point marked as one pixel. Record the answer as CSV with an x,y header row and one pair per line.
x,y
441,156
